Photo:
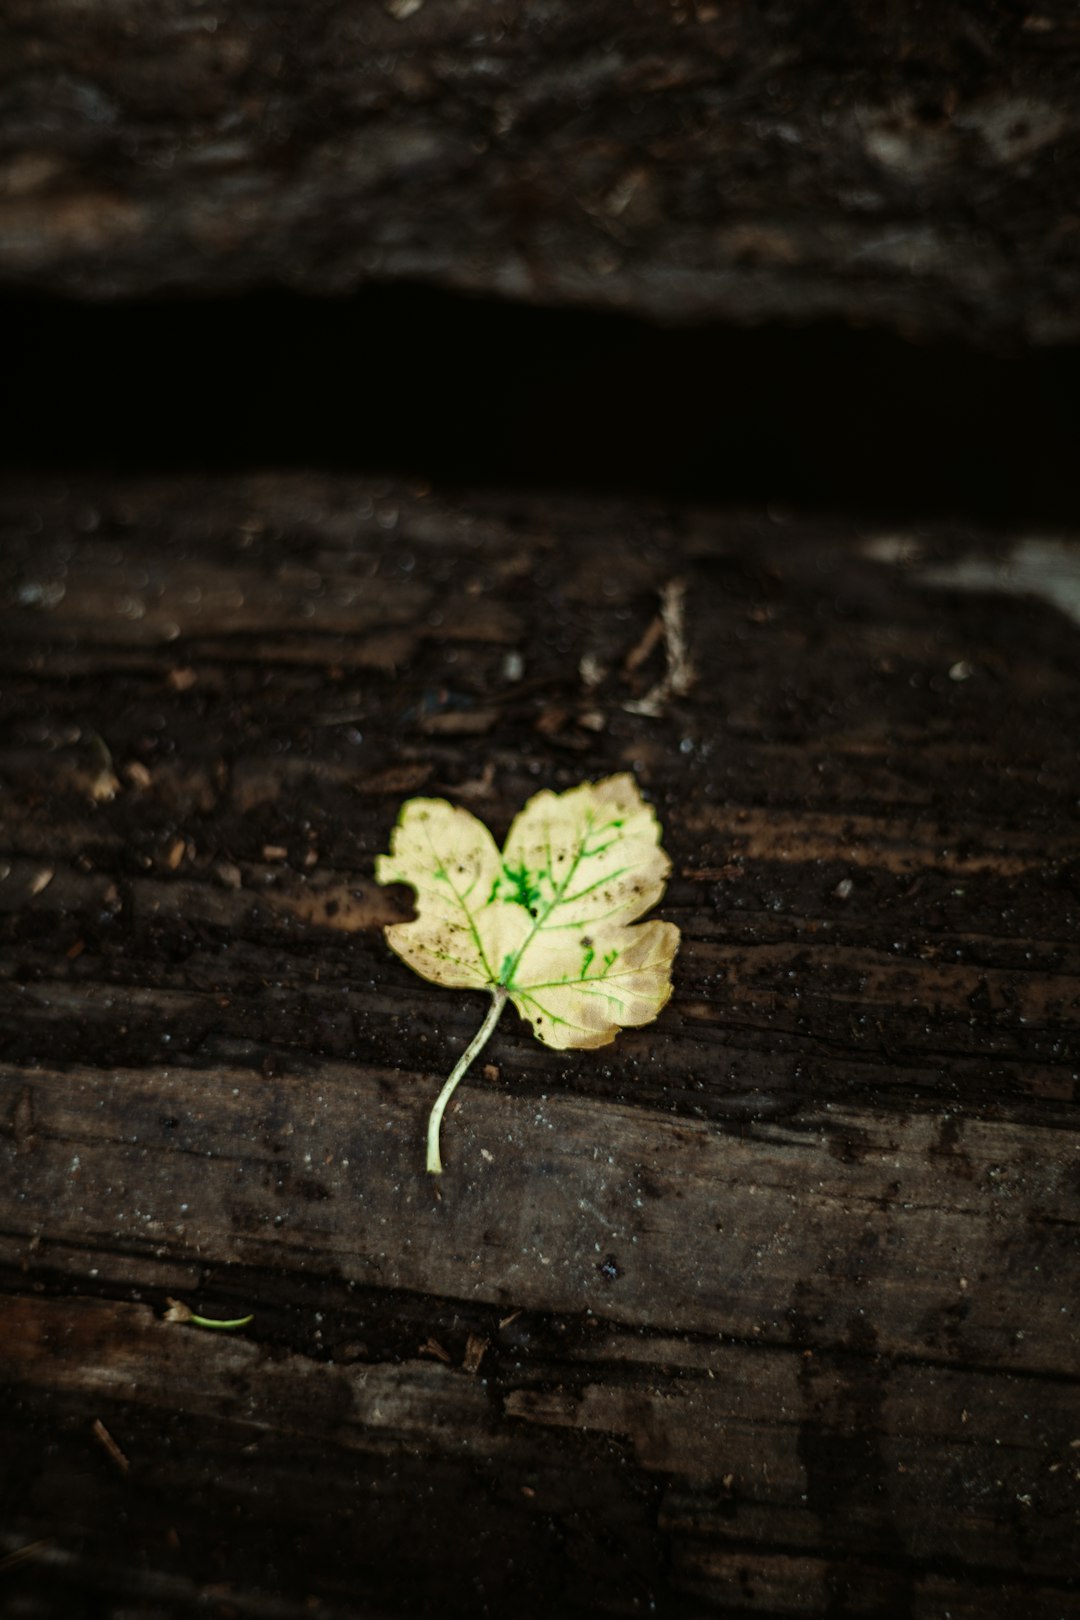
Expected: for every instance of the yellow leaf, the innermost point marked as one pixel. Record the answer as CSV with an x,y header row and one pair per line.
x,y
549,923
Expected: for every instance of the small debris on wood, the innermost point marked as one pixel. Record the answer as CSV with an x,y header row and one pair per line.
x,y
459,722
551,721
22,1554
491,1071
138,775
479,786
228,874
432,1347
181,1313
398,779
591,670
104,784
101,1434
475,1348
641,650
182,680
679,676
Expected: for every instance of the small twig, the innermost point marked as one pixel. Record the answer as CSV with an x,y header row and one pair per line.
x,y
679,676
681,671
641,650
101,1433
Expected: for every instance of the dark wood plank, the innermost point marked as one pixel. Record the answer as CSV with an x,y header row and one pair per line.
x,y
767,1309
902,166
734,1446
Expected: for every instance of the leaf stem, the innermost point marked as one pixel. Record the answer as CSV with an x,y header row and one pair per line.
x,y
475,1047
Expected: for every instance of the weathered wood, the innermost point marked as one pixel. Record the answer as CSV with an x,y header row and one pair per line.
x,y
914,167
767,1309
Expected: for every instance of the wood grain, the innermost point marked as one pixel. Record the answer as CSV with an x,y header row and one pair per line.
x,y
909,168
767,1309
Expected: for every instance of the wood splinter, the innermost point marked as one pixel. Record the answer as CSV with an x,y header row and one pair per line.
x,y
101,1434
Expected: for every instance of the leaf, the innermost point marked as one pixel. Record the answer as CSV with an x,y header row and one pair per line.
x,y
548,923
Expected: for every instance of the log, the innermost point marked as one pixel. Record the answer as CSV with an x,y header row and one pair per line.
x,y
766,1309
910,168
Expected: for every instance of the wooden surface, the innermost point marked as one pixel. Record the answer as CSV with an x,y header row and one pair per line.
x,y
907,166
768,1309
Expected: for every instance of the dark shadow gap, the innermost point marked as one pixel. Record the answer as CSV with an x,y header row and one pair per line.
x,y
462,391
